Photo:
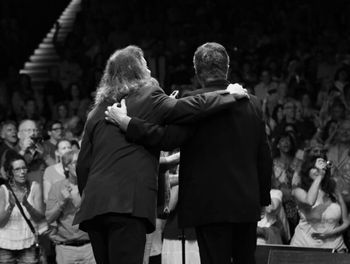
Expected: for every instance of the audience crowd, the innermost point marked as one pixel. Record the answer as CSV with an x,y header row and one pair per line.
x,y
293,55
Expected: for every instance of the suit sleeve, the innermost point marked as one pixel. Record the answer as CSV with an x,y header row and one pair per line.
x,y
192,108
264,164
84,161
157,136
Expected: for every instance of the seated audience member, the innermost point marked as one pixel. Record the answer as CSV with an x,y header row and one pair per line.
x,y
55,132
29,141
55,172
17,242
323,213
72,244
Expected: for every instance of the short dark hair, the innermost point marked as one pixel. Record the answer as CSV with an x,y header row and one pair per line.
x,y
75,143
211,61
50,124
6,123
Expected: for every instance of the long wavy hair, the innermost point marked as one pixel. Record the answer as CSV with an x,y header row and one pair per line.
x,y
327,185
126,71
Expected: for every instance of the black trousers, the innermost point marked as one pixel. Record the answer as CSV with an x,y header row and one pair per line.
x,y
118,239
226,243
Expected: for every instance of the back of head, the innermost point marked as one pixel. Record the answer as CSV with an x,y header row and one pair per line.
x,y
211,61
125,70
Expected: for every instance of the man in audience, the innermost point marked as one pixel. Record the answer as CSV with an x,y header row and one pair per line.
x,y
55,172
72,244
55,132
29,145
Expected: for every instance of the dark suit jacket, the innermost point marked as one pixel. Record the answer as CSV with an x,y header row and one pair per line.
x,y
115,175
225,165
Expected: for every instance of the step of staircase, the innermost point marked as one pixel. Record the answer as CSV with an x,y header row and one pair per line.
x,y
45,56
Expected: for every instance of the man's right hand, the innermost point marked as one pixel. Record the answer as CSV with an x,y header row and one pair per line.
x,y
27,143
237,91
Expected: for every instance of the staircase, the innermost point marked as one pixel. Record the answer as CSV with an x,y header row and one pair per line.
x,y
45,55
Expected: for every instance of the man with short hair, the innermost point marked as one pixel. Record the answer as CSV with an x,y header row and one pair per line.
x,y
225,166
55,132
72,244
55,172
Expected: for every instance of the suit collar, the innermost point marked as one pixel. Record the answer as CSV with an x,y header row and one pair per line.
x,y
216,83
211,86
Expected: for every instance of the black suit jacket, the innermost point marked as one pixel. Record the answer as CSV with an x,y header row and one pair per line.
x,y
225,165
115,175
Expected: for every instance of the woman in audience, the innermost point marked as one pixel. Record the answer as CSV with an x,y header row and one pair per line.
x,y
17,242
323,214
284,149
